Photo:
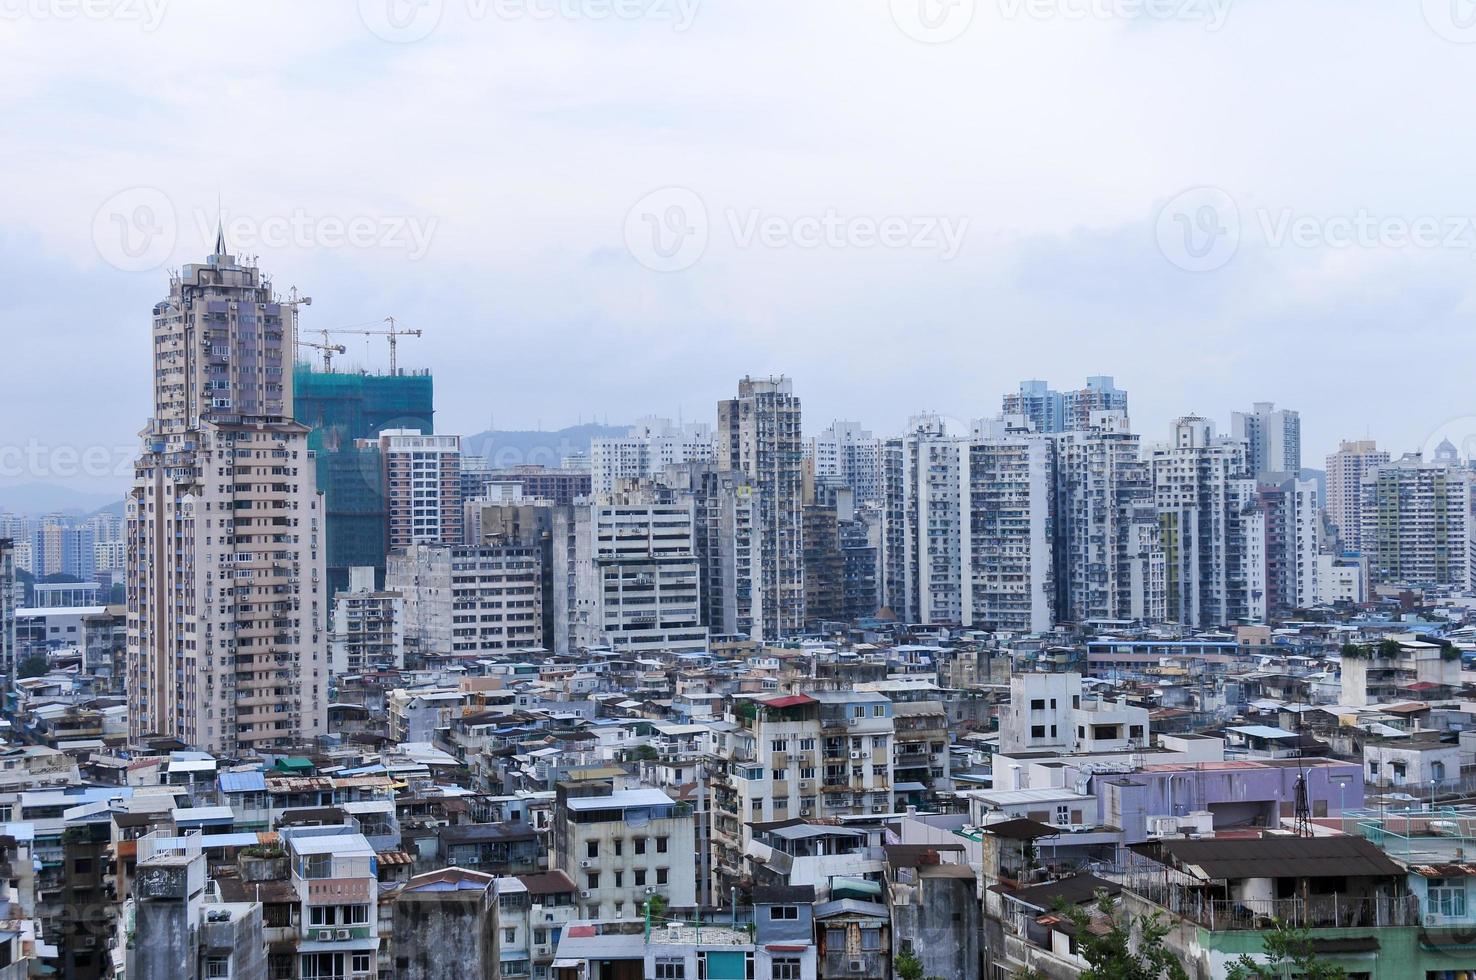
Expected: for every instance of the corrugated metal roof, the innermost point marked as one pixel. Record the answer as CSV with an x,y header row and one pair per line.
x,y
242,782
1274,857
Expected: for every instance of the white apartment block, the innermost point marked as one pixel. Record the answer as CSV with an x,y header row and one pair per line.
x,y
1345,471
927,550
1109,563
1211,536
1272,436
227,645
759,436
1011,526
651,445
1049,713
1293,538
635,572
1341,579
469,600
422,487
623,847
368,627
1416,522
849,454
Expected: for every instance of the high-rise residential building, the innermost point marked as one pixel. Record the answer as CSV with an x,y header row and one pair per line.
x,y
651,445
724,511
368,627
422,488
518,522
1273,438
759,436
1293,523
851,457
1011,523
926,558
7,608
1345,471
343,408
1048,410
1109,562
636,576
464,601
226,602
532,481
1212,540
1417,522
976,520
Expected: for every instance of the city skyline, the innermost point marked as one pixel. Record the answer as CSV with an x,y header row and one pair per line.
x,y
1060,273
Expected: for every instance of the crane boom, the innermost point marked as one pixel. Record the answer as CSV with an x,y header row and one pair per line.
x,y
393,333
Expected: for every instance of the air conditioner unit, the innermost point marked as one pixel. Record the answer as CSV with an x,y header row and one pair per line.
x,y
650,891
804,811
853,722
857,755
584,893
325,935
342,934
857,966
584,864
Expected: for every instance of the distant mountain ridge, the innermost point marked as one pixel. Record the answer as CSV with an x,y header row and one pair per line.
x,y
38,499
518,447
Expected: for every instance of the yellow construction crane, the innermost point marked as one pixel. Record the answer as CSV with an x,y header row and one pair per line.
x,y
393,333
328,351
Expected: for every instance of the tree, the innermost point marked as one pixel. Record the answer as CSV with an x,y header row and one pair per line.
x,y
907,966
33,666
1111,956
656,909
1288,953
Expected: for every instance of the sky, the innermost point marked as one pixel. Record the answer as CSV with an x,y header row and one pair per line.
x,y
616,208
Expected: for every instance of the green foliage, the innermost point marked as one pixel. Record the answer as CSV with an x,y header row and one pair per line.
x,y
907,966
1114,956
1389,648
656,909
1353,651
1288,953
645,753
33,666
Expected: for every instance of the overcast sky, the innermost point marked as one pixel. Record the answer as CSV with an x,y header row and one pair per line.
x,y
615,208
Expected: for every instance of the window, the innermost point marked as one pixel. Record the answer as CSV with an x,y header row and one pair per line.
x,y
217,967
671,970
1037,731
317,866
661,845
1135,732
361,962
661,876
1053,704
620,879
1037,704
784,912
640,877
1447,897
835,940
592,879
878,741
592,849
785,968
540,936
640,845
82,866
510,936
807,772
779,745
871,939
619,846
778,774
878,711
807,745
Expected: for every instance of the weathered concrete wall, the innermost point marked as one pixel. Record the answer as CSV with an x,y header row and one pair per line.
x,y
163,947
445,936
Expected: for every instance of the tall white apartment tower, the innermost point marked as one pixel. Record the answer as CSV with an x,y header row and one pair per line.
x,y
759,436
1011,521
1109,563
646,449
422,488
1345,471
850,455
1272,436
1417,522
226,592
927,549
1211,535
